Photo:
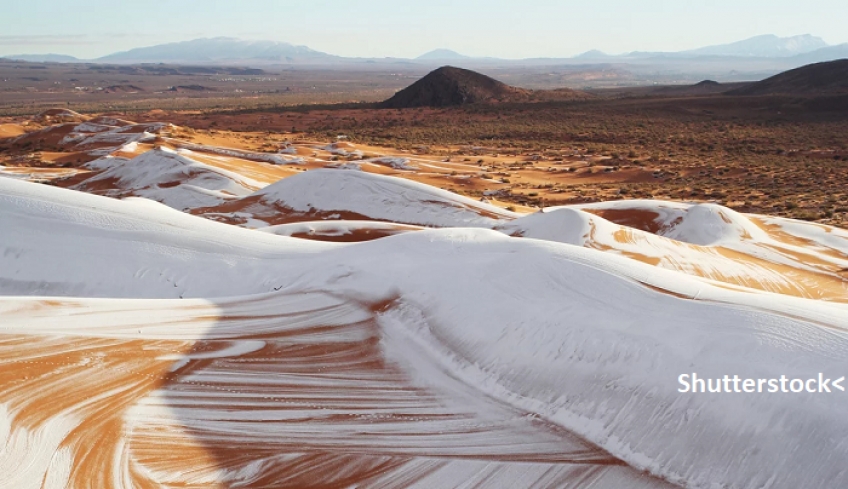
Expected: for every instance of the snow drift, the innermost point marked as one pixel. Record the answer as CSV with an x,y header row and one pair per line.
x,y
168,177
353,195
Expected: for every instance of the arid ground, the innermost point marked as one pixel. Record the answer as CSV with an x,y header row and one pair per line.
x,y
766,155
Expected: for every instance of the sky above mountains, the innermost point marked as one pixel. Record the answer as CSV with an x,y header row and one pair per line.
x,y
378,28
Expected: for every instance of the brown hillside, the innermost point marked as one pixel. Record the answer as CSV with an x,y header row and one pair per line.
x,y
820,78
450,86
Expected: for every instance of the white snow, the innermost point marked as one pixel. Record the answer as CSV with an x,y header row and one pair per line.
x,y
381,198
89,127
275,159
341,149
153,248
172,179
398,163
350,165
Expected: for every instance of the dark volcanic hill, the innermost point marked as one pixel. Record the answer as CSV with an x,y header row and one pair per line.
x,y
816,79
449,86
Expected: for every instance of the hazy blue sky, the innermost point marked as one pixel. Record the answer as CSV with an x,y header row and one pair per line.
x,y
407,28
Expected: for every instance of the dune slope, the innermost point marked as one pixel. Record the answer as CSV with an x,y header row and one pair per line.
x,y
341,194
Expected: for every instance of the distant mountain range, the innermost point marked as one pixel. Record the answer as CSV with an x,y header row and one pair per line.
x,y
760,55
43,58
229,50
766,46
219,50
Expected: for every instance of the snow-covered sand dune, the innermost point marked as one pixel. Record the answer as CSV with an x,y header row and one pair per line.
x,y
166,176
708,241
193,353
345,194
95,137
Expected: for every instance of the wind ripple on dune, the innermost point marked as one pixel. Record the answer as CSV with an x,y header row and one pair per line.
x,y
302,402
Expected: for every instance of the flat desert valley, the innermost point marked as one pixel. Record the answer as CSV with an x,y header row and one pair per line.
x,y
502,294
